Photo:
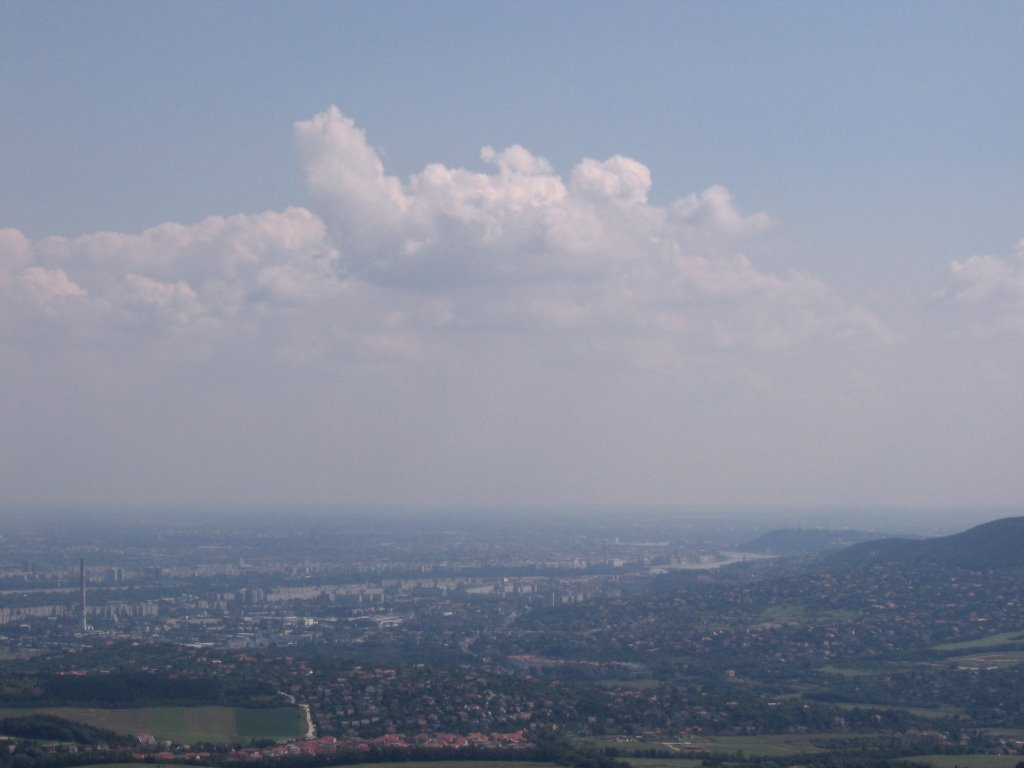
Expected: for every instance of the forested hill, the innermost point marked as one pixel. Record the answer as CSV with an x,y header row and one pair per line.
x,y
798,542
998,544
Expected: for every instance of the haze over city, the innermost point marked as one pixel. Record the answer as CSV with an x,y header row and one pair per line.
x,y
574,255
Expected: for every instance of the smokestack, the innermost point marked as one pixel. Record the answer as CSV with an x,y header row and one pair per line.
x,y
81,587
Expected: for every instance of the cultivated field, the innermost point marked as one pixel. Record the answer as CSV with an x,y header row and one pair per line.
x,y
663,762
452,764
1003,638
968,761
768,745
187,725
988,660
937,712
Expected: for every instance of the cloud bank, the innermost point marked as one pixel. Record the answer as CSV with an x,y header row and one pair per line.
x,y
517,249
509,334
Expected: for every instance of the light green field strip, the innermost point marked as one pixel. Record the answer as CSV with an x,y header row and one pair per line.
x,y
186,725
967,761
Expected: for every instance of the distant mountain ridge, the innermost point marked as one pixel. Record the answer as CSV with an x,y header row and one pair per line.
x,y
797,542
997,544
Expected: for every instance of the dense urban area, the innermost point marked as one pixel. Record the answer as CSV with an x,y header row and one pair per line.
x,y
647,640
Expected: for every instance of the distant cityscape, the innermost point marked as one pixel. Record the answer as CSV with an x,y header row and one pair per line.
x,y
330,583
584,642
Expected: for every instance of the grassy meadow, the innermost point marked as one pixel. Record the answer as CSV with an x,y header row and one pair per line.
x,y
187,725
968,761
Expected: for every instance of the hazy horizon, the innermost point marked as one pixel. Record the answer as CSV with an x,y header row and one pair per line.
x,y
678,521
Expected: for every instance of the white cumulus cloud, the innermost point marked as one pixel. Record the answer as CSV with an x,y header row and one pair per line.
x,y
512,249
521,244
989,292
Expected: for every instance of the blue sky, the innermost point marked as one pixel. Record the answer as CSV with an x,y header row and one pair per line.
x,y
871,130
870,152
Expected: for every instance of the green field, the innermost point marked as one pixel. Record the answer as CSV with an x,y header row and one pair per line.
x,y
187,725
624,747
987,660
452,764
937,712
1003,638
663,762
771,745
968,761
